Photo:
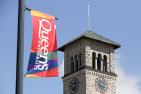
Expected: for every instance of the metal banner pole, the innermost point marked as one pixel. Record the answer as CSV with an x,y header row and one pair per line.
x,y
20,49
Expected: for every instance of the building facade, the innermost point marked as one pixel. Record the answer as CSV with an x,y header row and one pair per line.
x,y
89,65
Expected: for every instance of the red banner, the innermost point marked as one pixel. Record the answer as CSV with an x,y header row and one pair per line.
x,y
43,56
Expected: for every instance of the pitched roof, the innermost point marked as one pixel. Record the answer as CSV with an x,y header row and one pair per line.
x,y
91,35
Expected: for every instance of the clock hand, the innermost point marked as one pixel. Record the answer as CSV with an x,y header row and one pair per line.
x,y
102,85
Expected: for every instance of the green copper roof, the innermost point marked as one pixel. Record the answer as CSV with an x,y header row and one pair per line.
x,y
92,35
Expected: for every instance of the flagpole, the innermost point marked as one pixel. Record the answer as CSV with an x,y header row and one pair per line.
x,y
20,48
89,17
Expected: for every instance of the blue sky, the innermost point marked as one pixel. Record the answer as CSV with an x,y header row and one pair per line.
x,y
118,20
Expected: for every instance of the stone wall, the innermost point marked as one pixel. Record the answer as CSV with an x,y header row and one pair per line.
x,y
80,75
91,76
74,49
85,75
99,48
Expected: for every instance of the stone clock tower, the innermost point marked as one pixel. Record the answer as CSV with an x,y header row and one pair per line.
x,y
89,65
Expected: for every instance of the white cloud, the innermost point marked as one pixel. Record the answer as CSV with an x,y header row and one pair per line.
x,y
126,83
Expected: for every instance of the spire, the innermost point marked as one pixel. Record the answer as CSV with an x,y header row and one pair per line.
x,y
89,16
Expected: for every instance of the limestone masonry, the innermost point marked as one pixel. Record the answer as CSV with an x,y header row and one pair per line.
x,y
89,65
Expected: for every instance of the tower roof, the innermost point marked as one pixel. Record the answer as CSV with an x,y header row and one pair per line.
x,y
94,36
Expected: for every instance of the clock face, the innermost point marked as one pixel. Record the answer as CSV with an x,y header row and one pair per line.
x,y
101,85
74,86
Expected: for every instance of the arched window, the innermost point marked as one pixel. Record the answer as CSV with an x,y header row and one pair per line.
x,y
80,62
76,63
72,65
105,63
93,60
99,62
